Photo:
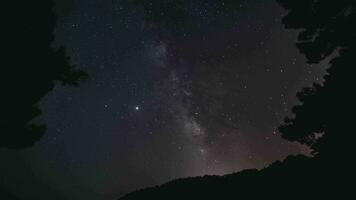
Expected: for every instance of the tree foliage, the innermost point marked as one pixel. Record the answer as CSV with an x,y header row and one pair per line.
x,y
327,28
30,68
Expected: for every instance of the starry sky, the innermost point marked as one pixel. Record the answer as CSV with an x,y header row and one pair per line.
x,y
177,88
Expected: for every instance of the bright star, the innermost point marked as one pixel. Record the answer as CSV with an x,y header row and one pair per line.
x,y
137,108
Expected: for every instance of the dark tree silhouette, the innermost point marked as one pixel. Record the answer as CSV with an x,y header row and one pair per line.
x,y
327,27
30,68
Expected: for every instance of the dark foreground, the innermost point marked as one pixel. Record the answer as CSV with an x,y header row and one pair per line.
x,y
297,177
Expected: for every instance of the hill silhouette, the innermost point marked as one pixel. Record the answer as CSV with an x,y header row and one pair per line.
x,y
296,177
322,121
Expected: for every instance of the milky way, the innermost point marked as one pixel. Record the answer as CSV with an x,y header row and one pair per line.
x,y
176,89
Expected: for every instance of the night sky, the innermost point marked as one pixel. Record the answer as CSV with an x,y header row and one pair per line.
x,y
176,89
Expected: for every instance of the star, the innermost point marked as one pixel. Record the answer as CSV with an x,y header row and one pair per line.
x,y
137,108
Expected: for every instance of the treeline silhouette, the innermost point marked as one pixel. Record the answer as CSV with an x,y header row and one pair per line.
x,y
30,68
323,121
